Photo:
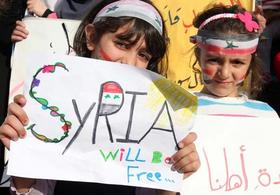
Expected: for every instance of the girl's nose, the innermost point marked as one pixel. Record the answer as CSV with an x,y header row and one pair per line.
x,y
224,71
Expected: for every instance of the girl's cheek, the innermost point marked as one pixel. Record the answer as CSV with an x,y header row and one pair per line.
x,y
241,79
207,74
104,56
208,71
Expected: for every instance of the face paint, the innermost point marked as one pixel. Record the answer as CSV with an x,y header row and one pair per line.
x,y
104,55
241,80
207,74
226,43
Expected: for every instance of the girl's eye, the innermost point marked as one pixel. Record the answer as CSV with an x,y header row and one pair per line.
x,y
121,44
145,56
237,63
212,61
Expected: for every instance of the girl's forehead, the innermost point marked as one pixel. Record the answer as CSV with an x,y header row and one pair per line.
x,y
128,33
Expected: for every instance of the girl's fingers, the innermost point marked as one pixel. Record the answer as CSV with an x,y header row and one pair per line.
x,y
13,125
190,168
183,152
185,164
16,38
189,139
20,23
21,31
20,34
18,112
20,100
186,160
7,133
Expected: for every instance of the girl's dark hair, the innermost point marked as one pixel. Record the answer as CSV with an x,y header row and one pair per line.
x,y
156,43
229,25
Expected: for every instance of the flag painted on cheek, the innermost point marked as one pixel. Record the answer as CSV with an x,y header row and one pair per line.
x,y
241,80
207,74
104,56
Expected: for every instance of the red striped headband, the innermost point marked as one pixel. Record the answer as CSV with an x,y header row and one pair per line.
x,y
228,44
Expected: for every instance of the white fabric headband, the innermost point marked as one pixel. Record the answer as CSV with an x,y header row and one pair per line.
x,y
229,44
133,8
226,46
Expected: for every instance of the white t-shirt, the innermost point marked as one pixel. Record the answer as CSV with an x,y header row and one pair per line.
x,y
233,106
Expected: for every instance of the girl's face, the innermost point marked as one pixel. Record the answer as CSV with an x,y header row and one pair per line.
x,y
111,48
223,74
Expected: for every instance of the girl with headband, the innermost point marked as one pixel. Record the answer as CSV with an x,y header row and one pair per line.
x,y
125,31
225,48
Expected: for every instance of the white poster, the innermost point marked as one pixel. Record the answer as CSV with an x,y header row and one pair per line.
x,y
98,121
238,156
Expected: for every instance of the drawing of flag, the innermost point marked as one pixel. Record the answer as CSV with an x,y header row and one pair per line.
x,y
112,98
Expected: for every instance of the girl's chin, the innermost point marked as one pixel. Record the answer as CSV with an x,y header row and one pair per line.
x,y
224,94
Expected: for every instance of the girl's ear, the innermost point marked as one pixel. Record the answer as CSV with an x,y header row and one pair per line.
x,y
89,30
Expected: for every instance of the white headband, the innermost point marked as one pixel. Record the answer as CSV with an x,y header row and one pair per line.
x,y
246,18
133,8
235,44
226,46
216,17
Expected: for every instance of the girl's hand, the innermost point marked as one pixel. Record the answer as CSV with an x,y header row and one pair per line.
x,y
38,7
19,32
186,160
13,126
261,19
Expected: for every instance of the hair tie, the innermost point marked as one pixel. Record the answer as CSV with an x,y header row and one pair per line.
x,y
246,18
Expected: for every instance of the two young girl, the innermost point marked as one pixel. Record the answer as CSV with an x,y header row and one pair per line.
x,y
125,31
226,43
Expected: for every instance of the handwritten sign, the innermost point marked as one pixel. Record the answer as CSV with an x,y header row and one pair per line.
x,y
238,156
178,16
98,121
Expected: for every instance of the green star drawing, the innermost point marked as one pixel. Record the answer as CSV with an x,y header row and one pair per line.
x,y
116,97
107,96
158,21
112,9
230,45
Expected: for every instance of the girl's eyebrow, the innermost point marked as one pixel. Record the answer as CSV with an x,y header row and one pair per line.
x,y
212,56
239,59
144,49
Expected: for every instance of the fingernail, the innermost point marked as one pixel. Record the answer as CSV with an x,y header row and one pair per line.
x,y
180,171
23,135
168,160
180,145
25,122
15,139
